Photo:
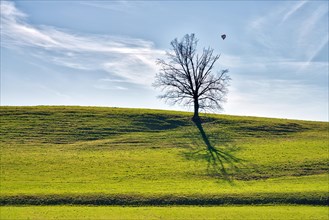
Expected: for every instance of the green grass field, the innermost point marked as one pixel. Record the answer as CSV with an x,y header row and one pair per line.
x,y
185,212
115,156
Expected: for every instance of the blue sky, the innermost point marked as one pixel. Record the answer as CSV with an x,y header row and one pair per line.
x,y
102,53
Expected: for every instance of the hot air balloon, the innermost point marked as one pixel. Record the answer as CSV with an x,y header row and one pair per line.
x,y
223,36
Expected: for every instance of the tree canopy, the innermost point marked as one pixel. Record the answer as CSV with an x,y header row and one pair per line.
x,y
187,77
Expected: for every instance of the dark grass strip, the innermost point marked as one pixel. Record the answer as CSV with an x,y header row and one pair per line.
x,y
138,200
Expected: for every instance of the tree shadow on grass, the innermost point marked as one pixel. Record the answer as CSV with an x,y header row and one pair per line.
x,y
220,158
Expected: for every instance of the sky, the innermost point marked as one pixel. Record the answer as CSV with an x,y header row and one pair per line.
x,y
103,53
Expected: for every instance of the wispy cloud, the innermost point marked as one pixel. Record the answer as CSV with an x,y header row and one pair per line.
x,y
126,58
293,9
293,30
311,35
121,6
109,87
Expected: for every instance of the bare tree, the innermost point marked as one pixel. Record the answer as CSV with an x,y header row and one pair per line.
x,y
187,77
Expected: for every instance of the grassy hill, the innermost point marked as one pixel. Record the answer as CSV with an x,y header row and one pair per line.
x,y
93,155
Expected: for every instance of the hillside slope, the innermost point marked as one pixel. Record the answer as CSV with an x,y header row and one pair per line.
x,y
93,155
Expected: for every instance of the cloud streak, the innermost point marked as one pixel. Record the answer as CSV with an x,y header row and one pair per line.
x,y
297,30
120,6
293,9
129,59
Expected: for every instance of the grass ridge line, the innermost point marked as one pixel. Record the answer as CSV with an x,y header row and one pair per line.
x,y
138,200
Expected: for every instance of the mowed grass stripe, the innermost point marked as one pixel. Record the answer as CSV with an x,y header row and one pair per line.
x,y
303,198
190,212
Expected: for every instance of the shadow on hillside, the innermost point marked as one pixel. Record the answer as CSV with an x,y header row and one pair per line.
x,y
219,154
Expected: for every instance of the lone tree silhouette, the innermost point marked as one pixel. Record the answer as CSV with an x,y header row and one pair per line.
x,y
187,77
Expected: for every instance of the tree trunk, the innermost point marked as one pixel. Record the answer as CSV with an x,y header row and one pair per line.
x,y
196,117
